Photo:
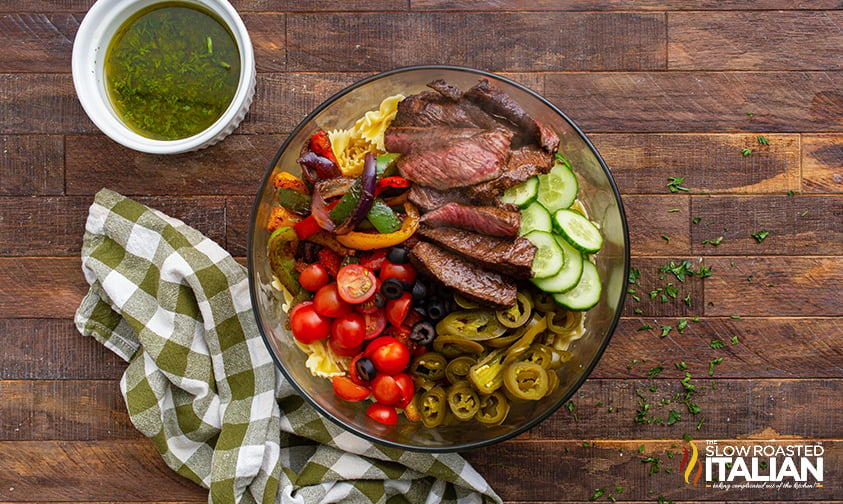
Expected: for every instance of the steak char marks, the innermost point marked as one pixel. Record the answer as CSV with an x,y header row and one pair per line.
x,y
462,150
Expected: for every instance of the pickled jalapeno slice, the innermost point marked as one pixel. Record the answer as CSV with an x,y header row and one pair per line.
x,y
463,400
433,406
517,314
526,380
493,408
429,365
476,325
457,370
454,346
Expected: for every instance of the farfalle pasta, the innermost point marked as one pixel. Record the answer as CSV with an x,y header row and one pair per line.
x,y
351,145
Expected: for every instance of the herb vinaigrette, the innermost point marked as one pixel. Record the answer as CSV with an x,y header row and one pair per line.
x,y
171,70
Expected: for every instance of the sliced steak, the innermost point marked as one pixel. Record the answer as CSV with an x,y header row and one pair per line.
x,y
446,162
523,163
430,108
481,285
511,257
488,220
407,139
428,199
497,103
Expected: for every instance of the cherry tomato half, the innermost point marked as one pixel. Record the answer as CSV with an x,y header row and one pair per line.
x,y
389,355
373,259
406,388
356,283
313,277
327,302
404,272
397,309
382,413
375,324
308,325
385,389
346,389
348,330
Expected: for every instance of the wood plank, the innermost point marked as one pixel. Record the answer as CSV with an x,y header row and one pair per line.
x,y
319,5
658,224
41,287
658,293
712,163
41,410
797,225
318,42
787,286
238,218
732,409
822,163
234,166
755,40
569,470
36,42
64,409
46,6
268,32
762,347
700,101
25,232
53,349
31,164
610,5
41,103
123,470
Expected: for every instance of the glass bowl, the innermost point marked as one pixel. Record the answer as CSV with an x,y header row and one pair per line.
x,y
88,67
598,192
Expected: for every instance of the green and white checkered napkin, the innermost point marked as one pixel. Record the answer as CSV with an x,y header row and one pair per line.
x,y
202,386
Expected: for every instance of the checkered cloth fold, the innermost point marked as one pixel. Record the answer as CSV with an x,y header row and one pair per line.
x,y
202,386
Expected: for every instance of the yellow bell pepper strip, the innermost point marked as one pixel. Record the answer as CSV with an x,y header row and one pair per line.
x,y
371,241
281,217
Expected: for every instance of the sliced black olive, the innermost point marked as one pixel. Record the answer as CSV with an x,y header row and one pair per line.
x,y
420,291
380,301
423,333
366,369
398,255
436,309
392,288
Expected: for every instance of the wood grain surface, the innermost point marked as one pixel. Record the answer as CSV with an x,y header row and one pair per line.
x,y
740,104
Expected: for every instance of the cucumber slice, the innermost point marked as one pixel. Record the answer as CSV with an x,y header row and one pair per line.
x,y
523,194
567,277
549,257
558,188
586,293
578,230
535,217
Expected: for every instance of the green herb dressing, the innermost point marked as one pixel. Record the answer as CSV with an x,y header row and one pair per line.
x,y
171,70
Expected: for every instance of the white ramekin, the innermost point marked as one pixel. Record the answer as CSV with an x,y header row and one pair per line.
x,y
89,47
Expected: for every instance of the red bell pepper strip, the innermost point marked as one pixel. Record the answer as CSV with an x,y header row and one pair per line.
x,y
320,143
307,227
395,181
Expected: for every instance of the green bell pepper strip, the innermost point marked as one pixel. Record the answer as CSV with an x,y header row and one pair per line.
x,y
281,252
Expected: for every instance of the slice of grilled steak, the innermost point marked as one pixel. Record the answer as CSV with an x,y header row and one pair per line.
x,y
430,108
488,220
522,164
481,285
511,257
498,103
444,161
427,198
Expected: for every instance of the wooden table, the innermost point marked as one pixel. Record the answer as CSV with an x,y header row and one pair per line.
x,y
719,120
